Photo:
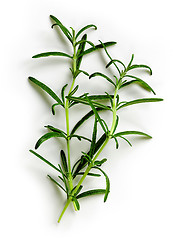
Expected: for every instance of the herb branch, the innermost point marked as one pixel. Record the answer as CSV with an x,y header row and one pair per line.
x,y
88,164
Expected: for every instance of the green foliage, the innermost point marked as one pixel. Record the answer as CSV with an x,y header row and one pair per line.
x,y
94,137
64,162
47,136
91,192
141,100
85,28
80,50
46,89
96,114
102,75
86,100
62,92
62,27
88,163
44,160
54,181
83,119
48,54
53,129
107,190
140,66
132,133
138,81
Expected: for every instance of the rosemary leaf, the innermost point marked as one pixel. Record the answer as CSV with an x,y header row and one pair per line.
x,y
48,54
47,136
46,89
91,192
141,100
85,28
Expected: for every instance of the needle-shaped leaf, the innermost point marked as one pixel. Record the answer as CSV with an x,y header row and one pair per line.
x,y
96,114
61,178
53,107
82,97
112,61
110,98
105,124
73,33
85,28
80,71
80,50
138,81
140,66
55,54
115,60
89,42
44,160
141,100
84,101
76,203
132,133
54,181
53,129
117,99
47,136
62,27
131,60
62,92
94,136
79,137
103,44
78,191
88,158
73,91
46,89
64,162
90,174
83,119
116,124
84,72
126,140
100,142
64,178
101,96
102,75
116,142
116,79
91,192
99,163
107,183
99,46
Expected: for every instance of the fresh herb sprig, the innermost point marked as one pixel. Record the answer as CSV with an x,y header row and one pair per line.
x,y
88,164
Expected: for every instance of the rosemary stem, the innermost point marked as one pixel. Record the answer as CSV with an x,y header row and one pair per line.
x,y
114,110
70,179
64,209
68,146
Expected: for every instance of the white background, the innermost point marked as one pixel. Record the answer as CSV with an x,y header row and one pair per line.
x,y
139,205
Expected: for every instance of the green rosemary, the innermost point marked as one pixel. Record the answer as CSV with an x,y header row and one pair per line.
x,y
88,164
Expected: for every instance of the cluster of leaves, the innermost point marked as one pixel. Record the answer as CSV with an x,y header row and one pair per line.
x,y
88,161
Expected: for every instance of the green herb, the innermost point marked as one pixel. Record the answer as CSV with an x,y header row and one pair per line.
x,y
88,164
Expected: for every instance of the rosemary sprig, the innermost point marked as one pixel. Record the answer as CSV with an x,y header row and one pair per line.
x,y
88,161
